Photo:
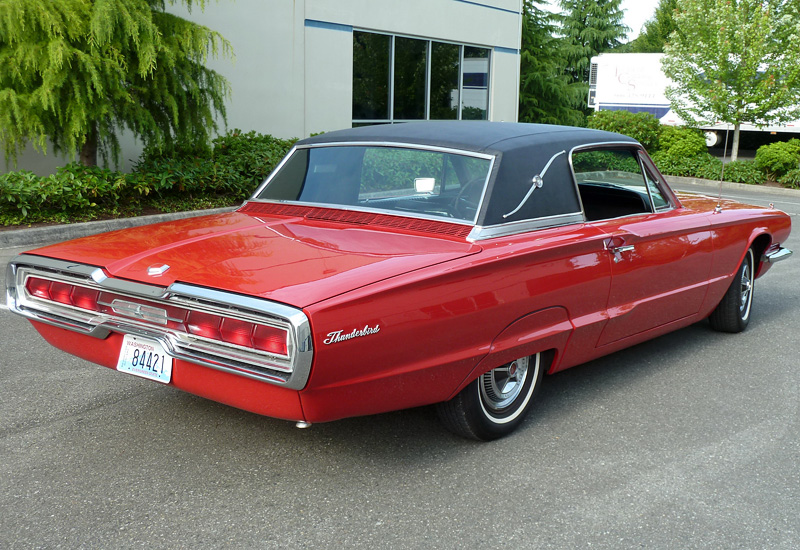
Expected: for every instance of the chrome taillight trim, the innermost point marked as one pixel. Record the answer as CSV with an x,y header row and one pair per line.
x,y
290,371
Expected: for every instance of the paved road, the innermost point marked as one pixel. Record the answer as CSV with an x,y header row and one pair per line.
x,y
688,441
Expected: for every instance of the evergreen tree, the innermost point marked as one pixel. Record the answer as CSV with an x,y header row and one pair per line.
x,y
546,94
735,61
77,72
591,27
656,31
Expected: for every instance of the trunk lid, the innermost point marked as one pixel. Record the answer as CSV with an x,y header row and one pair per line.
x,y
292,260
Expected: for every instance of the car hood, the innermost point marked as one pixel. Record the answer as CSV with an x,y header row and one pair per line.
x,y
291,260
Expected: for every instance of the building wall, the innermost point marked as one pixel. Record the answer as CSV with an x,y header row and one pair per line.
x,y
293,68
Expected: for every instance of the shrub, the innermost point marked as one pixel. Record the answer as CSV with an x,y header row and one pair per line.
x,y
642,127
776,159
791,179
25,196
700,166
238,163
680,141
249,158
744,171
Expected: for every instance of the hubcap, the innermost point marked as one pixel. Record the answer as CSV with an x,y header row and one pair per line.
x,y
501,386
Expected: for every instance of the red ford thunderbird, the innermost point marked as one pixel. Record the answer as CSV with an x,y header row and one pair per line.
x,y
387,267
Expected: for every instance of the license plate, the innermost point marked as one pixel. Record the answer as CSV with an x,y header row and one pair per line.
x,y
146,358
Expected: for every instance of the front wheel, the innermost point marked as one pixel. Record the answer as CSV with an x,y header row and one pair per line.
x,y
733,312
495,403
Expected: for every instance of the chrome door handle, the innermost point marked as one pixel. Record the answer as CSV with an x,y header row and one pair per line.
x,y
618,250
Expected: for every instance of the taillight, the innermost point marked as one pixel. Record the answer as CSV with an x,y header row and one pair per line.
x,y
85,298
204,324
60,292
63,293
270,339
38,287
239,332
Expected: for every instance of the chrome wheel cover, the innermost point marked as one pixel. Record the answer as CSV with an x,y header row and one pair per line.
x,y
500,387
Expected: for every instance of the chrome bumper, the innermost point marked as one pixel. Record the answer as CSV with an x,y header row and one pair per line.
x,y
776,254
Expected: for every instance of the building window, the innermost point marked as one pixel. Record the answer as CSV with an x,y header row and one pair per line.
x,y
399,79
371,54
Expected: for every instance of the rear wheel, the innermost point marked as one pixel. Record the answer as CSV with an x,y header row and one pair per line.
x,y
733,312
495,403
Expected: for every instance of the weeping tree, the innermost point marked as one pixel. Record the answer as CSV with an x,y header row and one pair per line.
x,y
547,94
735,61
78,72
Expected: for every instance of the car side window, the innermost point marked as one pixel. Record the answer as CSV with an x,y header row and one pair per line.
x,y
612,183
660,200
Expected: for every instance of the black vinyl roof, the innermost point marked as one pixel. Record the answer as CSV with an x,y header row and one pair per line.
x,y
521,151
469,135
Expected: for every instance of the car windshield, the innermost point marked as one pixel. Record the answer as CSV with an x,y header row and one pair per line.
x,y
422,182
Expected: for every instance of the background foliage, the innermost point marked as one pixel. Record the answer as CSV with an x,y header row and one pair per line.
x,y
183,180
735,61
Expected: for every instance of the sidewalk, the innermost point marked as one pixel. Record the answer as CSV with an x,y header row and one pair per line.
x,y
37,236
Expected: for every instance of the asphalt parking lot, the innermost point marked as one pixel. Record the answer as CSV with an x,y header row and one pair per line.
x,y
691,440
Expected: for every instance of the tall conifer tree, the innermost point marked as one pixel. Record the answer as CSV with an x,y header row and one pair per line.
x,y
77,72
591,27
656,31
547,94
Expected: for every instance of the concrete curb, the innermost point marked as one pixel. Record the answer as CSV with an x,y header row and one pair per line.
x,y
37,236
677,181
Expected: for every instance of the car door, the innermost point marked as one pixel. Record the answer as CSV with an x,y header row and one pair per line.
x,y
661,254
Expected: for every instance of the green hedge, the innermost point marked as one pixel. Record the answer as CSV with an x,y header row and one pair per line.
x,y
643,127
167,182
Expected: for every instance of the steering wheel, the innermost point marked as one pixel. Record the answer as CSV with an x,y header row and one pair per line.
x,y
468,198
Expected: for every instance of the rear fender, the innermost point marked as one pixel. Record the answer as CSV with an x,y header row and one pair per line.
x,y
760,243
543,330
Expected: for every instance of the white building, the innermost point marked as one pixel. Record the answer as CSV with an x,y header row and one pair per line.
x,y
306,66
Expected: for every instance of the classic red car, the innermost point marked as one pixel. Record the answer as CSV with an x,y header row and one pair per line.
x,y
387,267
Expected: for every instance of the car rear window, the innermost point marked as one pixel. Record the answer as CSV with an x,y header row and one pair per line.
x,y
412,181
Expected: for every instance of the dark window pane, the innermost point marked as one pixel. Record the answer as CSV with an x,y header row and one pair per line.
x,y
475,84
409,78
385,178
444,81
370,76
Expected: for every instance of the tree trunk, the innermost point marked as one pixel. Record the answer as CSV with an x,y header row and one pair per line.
x,y
737,130
89,148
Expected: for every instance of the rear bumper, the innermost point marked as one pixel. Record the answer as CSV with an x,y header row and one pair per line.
x,y
776,254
